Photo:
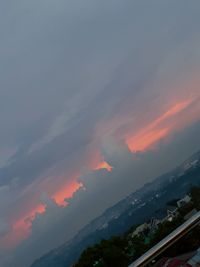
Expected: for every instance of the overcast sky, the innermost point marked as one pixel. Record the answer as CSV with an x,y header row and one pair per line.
x,y
95,96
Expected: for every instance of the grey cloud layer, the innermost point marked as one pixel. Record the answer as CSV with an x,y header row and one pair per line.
x,y
48,228
69,67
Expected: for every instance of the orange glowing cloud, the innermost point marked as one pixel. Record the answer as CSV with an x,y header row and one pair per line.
x,y
156,130
59,190
69,188
21,228
103,165
23,225
67,191
177,108
98,162
142,142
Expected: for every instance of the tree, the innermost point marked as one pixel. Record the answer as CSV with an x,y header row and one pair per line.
x,y
195,195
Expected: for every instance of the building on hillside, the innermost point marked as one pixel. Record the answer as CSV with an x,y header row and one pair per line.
x,y
153,225
146,230
185,200
172,212
141,230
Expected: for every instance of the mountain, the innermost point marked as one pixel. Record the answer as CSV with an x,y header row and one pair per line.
x,y
149,201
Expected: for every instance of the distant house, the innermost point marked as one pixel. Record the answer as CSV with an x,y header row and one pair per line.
x,y
182,202
153,225
172,212
147,229
175,206
141,230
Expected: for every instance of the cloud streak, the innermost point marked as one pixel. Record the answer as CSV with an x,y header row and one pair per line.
x,y
158,129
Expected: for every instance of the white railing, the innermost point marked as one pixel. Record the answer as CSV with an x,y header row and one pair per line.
x,y
155,251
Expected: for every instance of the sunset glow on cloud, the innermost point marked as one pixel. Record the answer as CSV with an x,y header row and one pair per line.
x,y
103,165
67,191
144,139
157,129
21,228
69,188
95,96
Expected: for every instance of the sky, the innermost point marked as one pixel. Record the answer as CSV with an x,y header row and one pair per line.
x,y
97,98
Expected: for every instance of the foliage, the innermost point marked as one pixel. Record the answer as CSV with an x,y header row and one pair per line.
x,y
166,228
195,194
121,251
107,253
